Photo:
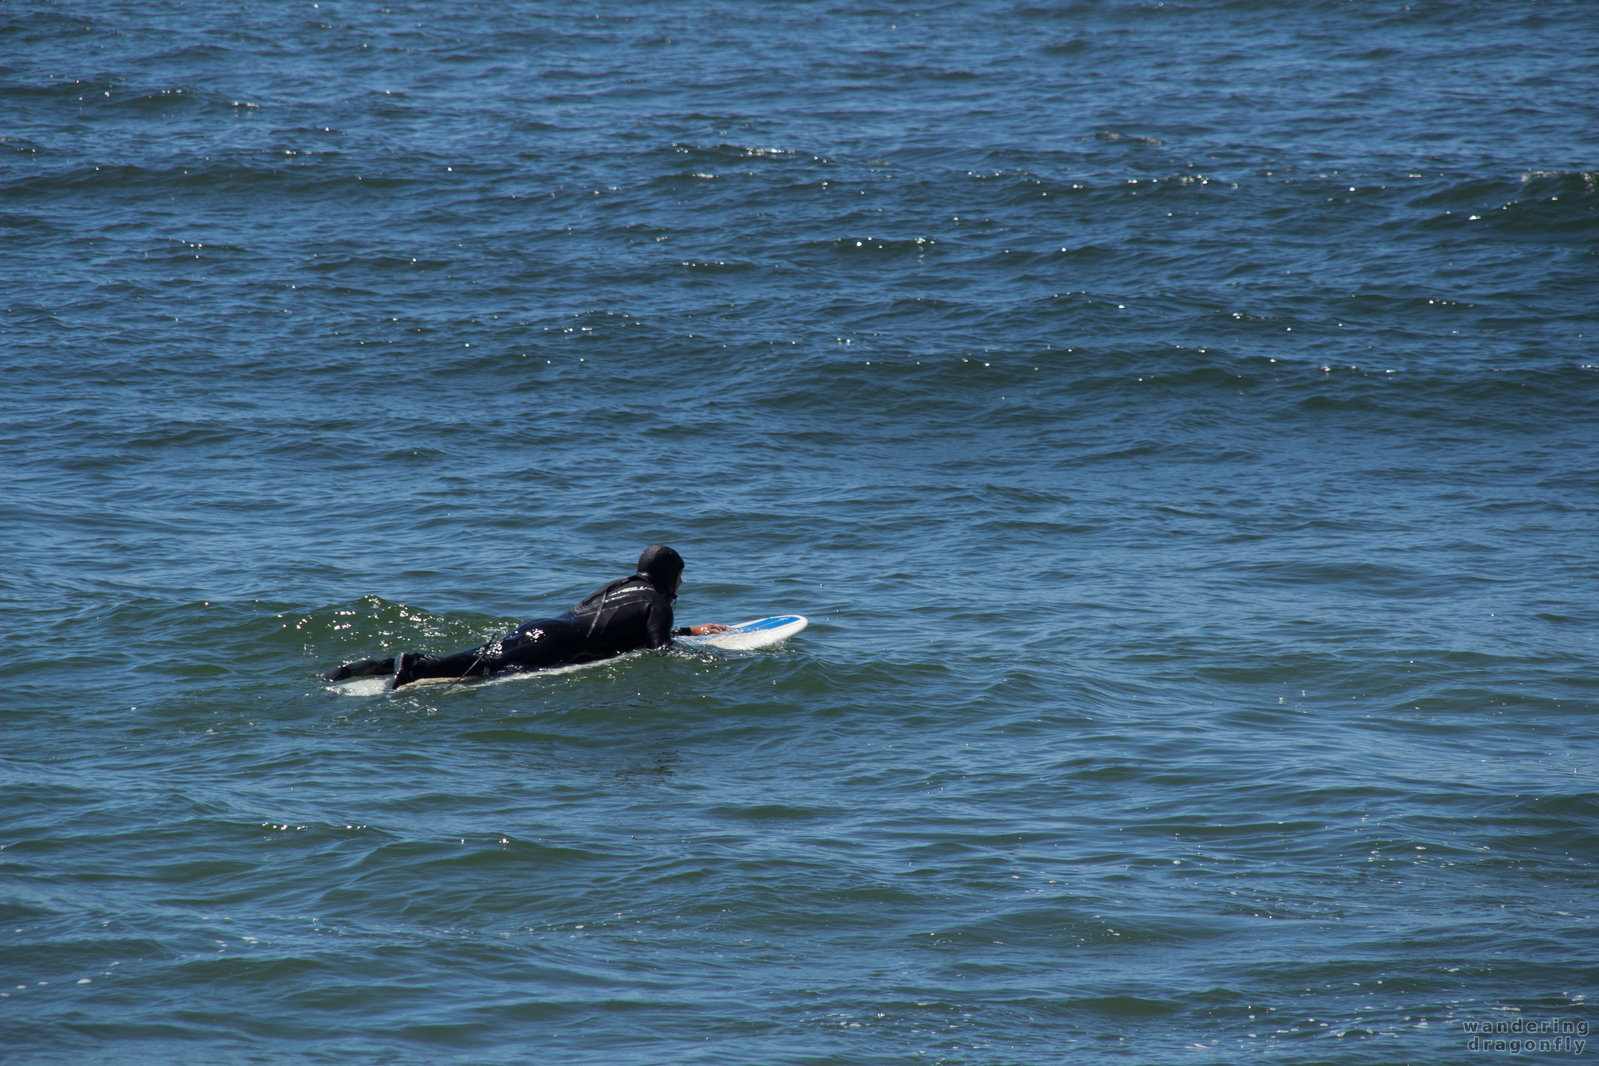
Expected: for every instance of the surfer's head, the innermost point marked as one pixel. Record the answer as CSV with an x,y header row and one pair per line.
x,y
662,567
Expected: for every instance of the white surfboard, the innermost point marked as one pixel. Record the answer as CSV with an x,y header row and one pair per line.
x,y
747,636
373,686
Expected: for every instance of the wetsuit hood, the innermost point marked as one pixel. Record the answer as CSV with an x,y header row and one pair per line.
x,y
660,566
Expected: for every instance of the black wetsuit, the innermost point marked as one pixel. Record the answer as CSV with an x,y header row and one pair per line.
x,y
625,615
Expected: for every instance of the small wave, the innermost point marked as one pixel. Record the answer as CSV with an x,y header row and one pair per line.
x,y
915,246
1135,139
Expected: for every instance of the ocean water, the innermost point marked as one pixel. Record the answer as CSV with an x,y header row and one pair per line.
x,y
1180,422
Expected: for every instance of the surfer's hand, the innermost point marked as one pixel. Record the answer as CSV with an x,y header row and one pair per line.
x,y
707,629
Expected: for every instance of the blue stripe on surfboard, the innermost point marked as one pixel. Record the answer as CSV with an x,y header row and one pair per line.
x,y
766,623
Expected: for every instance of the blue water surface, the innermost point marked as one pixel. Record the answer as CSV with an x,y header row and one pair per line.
x,y
1176,419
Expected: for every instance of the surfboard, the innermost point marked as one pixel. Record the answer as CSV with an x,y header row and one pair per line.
x,y
747,636
375,686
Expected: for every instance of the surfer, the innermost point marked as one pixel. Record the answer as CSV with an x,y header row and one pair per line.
x,y
624,615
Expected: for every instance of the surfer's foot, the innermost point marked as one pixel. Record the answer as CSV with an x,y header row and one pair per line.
x,y
404,670
360,668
